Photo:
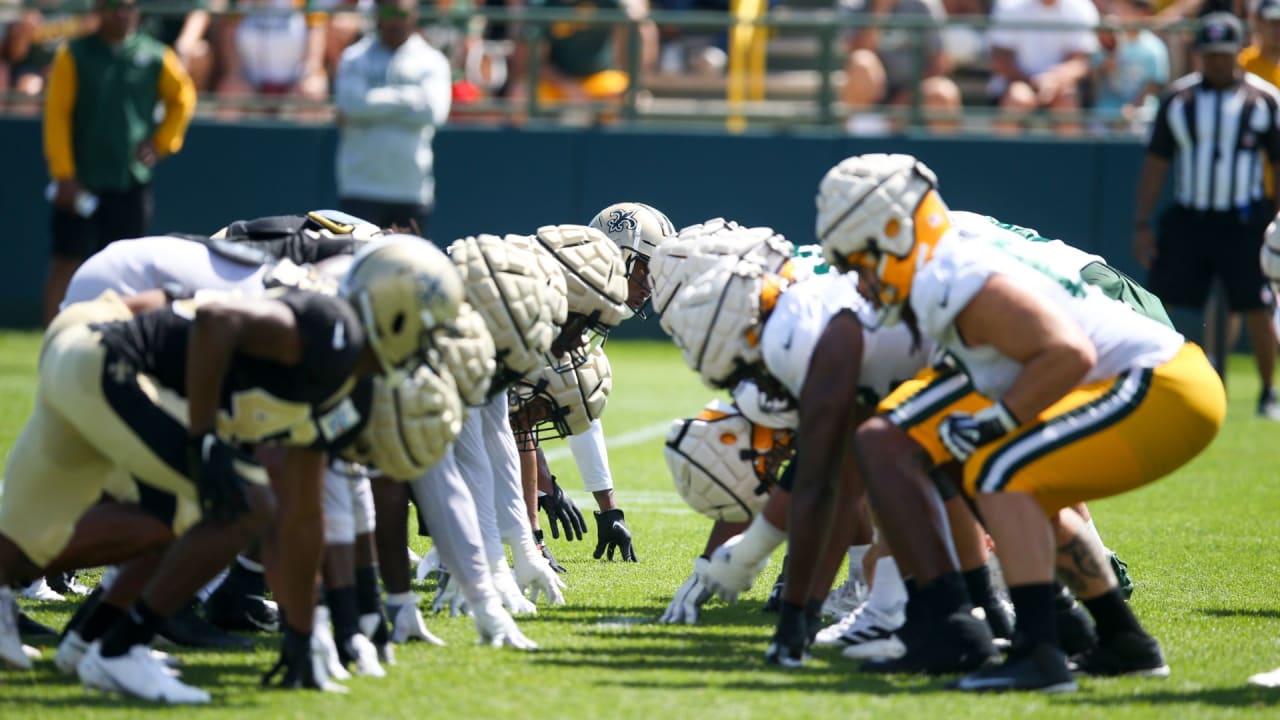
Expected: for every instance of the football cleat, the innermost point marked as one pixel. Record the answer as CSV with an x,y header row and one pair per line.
x,y
28,625
324,646
846,598
68,584
374,626
136,674
189,629
73,647
870,635
230,609
12,652
407,624
1129,653
1267,679
1041,668
360,651
959,642
41,590
1076,633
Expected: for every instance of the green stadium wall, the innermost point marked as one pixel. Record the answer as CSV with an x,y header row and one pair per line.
x,y
506,180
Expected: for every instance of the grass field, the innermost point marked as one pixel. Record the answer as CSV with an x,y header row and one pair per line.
x,y
1201,546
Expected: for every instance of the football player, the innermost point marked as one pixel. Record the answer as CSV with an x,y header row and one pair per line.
x,y
279,369
1073,375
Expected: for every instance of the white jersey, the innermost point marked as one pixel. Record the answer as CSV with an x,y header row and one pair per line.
x,y
970,226
797,323
134,266
966,257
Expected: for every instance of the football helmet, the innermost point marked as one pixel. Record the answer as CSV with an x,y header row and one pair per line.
x,y
881,215
405,291
724,465
468,356
596,280
716,320
520,292
1271,254
638,230
413,420
548,405
771,407
320,223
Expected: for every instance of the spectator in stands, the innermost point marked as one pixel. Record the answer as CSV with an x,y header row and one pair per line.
x,y
1262,58
580,61
34,37
272,47
1130,67
888,65
1040,68
1214,228
184,32
392,91
101,138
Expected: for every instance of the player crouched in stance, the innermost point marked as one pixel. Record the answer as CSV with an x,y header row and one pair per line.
x,y
176,392
1074,376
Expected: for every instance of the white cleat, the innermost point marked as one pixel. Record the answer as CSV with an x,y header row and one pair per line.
x,y
829,636
137,674
12,651
871,636
73,647
40,590
844,599
407,624
322,644
1266,679
365,655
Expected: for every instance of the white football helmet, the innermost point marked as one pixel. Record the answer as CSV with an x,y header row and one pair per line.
x,y
638,230
881,214
775,410
1271,254
717,318
596,279
548,404
468,356
405,291
520,292
413,420
724,465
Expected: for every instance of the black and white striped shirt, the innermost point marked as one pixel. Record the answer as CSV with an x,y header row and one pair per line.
x,y
1219,138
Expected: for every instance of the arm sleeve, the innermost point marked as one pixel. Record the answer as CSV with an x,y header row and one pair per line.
x,y
426,102
1162,143
60,100
178,93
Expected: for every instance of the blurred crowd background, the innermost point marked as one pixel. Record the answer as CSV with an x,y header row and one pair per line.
x,y
1062,67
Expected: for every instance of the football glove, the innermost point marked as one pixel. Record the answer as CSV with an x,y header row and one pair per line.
x,y
374,626
561,511
301,665
497,629
534,574
221,473
612,534
508,590
546,553
690,597
407,624
449,597
729,573
962,433
790,644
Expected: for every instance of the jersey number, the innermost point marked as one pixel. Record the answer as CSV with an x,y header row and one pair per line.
x,y
258,416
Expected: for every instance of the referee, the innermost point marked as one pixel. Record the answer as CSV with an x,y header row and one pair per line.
x,y
1218,128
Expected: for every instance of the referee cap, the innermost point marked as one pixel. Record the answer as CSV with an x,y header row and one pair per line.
x,y
1220,32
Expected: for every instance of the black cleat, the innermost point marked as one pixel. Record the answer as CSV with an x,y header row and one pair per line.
x,y
230,609
1042,668
999,617
28,625
1076,633
1129,653
957,643
188,629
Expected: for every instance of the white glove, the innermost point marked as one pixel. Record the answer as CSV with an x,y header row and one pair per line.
x,y
322,644
449,597
534,574
374,625
508,590
428,564
497,628
407,624
728,577
691,596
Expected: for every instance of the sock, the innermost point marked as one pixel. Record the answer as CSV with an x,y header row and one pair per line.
x,y
888,593
978,583
1033,605
401,599
1112,615
343,611
759,540
246,576
368,599
944,596
856,554
138,627
101,620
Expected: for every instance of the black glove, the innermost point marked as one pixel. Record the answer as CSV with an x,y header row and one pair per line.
x,y
296,664
560,510
791,638
613,533
546,552
219,472
962,433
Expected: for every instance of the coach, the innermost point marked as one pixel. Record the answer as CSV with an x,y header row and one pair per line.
x,y
1218,127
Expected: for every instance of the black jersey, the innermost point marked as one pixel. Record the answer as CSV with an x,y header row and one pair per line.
x,y
316,403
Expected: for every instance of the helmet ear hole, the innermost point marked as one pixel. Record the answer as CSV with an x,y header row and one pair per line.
x,y
397,324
